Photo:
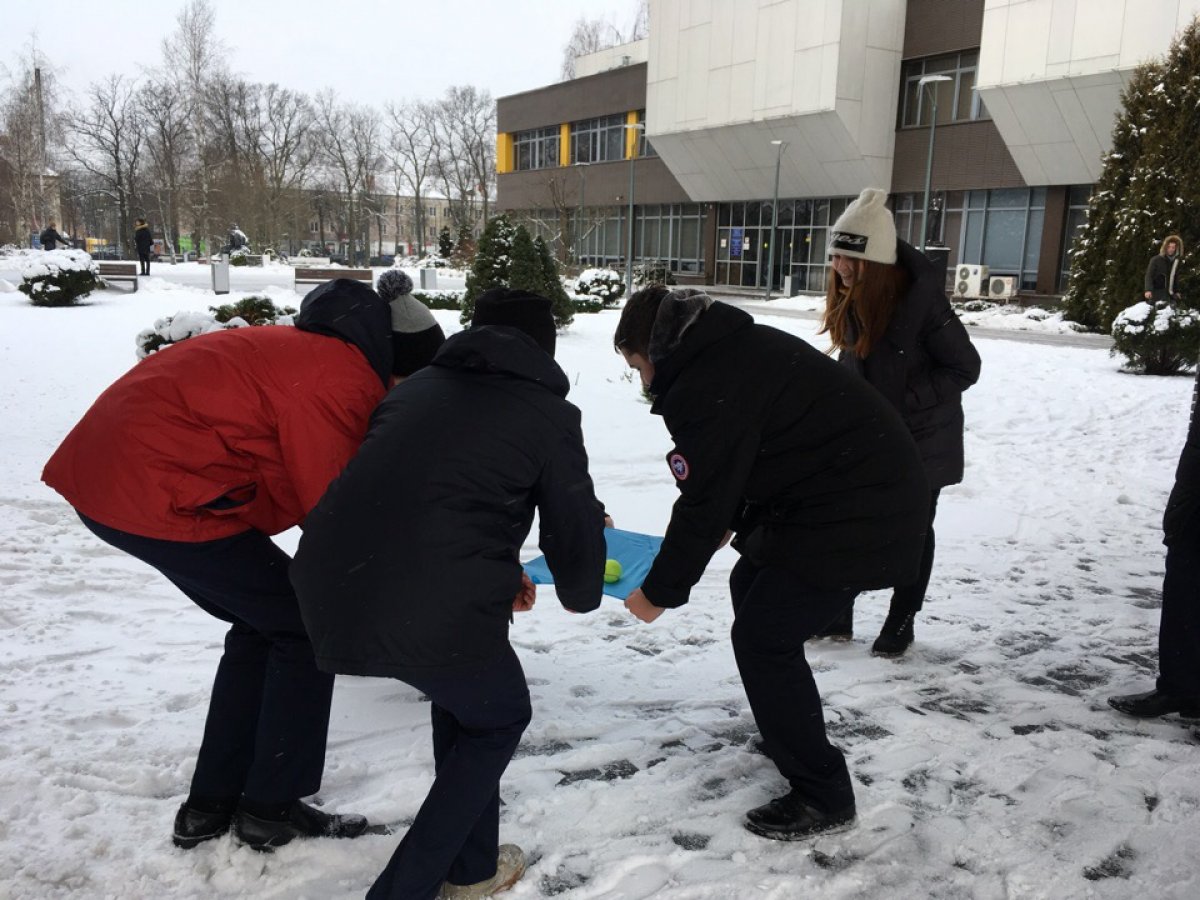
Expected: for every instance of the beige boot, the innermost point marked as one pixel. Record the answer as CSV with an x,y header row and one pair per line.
x,y
510,866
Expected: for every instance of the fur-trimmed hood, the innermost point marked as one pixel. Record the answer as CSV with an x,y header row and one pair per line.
x,y
677,312
1162,248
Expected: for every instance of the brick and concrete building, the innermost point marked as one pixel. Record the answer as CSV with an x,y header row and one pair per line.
x,y
835,96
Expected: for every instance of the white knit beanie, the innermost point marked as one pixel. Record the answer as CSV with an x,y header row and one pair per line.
x,y
866,230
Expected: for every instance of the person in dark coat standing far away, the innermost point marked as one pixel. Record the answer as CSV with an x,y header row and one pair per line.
x,y
1177,689
190,462
820,484
409,568
887,315
50,237
143,239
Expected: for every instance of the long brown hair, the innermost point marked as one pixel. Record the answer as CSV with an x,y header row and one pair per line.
x,y
857,317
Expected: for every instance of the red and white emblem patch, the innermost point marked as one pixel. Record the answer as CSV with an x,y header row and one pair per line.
x,y
679,466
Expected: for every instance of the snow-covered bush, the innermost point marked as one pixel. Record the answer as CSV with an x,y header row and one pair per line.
x,y
440,299
254,309
57,277
977,305
176,328
239,257
652,271
1156,339
606,285
183,325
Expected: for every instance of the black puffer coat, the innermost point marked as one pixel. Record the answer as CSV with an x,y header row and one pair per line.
x,y
410,561
923,364
805,462
1184,502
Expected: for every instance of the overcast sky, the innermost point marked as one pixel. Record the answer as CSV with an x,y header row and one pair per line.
x,y
369,51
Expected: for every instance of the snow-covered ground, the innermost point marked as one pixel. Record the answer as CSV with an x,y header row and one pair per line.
x,y
987,763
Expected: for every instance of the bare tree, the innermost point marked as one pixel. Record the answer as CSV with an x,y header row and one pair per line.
x,y
30,132
285,147
350,148
193,56
411,149
107,140
465,134
164,110
588,36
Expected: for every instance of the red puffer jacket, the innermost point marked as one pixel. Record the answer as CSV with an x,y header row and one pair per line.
x,y
225,432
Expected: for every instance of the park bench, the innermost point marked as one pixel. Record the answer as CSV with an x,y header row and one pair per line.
x,y
308,261
318,275
119,271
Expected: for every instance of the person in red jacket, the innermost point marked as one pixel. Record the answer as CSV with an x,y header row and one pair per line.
x,y
190,462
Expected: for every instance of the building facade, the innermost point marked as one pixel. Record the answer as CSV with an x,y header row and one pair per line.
x,y
735,122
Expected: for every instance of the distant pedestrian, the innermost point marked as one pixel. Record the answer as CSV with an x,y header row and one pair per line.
x,y
50,238
1177,689
1162,281
144,240
887,315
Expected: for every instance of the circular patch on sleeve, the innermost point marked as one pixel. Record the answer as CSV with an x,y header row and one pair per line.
x,y
679,466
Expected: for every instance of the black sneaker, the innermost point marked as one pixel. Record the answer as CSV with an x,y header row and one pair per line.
x,y
301,820
194,827
790,818
1155,703
840,629
896,636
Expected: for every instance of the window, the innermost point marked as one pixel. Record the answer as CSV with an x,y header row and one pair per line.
x,y
957,99
645,148
598,140
536,149
1078,200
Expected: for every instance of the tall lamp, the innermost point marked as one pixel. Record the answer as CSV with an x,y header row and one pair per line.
x,y
779,145
636,128
923,85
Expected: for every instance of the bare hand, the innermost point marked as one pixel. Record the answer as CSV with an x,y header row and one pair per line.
x,y
638,604
526,597
608,522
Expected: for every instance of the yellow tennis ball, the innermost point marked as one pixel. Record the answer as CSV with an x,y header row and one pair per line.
x,y
612,571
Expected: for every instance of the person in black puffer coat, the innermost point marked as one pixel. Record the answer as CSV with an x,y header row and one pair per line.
x,y
1162,272
1177,689
887,315
820,483
408,568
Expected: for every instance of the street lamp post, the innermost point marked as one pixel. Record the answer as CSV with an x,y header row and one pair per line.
x,y
636,128
923,85
779,145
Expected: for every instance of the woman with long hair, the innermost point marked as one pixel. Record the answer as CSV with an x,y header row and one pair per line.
x,y
889,320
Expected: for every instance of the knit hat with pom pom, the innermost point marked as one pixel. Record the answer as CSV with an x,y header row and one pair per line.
x,y
866,230
416,335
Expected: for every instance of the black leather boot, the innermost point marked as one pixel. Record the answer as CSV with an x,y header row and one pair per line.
x,y
896,635
790,818
300,820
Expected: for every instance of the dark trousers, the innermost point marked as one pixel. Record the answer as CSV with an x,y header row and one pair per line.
x,y
1179,628
269,711
775,612
478,715
144,259
909,598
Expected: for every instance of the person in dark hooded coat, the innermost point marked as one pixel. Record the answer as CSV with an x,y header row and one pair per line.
x,y
1177,688
1162,272
819,482
190,462
887,315
409,569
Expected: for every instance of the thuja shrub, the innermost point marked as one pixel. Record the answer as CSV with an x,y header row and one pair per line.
x,y
1156,339
605,285
58,277
254,309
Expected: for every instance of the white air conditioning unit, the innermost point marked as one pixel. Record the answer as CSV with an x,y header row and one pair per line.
x,y
970,280
1002,287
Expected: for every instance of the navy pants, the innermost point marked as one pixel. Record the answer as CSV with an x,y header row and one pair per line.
x,y
478,715
1179,629
269,711
775,612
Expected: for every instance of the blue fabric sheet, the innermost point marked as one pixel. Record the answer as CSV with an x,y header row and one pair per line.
x,y
632,549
